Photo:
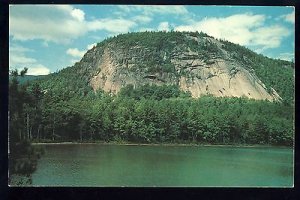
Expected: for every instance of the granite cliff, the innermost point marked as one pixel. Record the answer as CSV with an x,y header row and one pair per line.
x,y
195,62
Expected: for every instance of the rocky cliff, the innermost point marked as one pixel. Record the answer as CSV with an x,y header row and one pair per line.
x,y
195,62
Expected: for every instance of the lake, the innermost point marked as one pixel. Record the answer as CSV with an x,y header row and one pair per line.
x,y
137,165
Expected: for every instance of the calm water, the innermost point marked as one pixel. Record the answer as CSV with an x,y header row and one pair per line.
x,y
117,165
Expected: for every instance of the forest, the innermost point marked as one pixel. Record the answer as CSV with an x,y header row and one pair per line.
x,y
146,114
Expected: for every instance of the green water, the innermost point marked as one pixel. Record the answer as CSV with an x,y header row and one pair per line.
x,y
119,165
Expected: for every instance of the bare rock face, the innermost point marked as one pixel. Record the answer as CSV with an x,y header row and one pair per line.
x,y
199,64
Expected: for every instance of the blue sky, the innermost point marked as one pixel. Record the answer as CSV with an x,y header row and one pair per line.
x,y
47,38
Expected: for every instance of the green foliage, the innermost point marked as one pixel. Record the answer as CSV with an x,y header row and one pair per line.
x,y
66,84
141,115
152,92
159,40
24,115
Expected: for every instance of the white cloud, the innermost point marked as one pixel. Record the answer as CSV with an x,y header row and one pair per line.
x,y
287,56
18,60
90,46
73,61
78,14
155,9
111,25
142,19
59,23
268,37
177,10
289,17
20,49
17,56
75,52
163,26
56,23
244,29
38,70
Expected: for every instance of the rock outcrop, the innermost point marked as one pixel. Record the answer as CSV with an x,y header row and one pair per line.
x,y
196,63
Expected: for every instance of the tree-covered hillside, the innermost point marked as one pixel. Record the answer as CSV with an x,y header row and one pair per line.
x,y
273,73
64,106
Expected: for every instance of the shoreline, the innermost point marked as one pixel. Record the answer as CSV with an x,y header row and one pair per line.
x,y
157,144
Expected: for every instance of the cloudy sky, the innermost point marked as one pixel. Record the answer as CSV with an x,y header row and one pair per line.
x,y
47,38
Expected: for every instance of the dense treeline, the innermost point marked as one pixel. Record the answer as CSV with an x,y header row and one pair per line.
x,y
153,39
159,114
153,92
66,84
23,106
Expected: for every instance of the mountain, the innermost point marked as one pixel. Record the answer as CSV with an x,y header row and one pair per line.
x,y
136,88
192,61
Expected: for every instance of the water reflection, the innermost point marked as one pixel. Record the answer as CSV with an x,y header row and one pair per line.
x,y
117,165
